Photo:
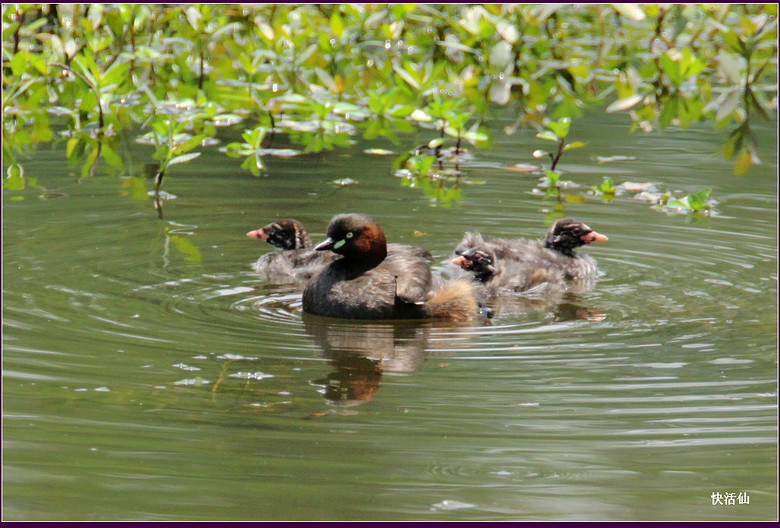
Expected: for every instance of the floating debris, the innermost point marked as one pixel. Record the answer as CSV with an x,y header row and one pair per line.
x,y
544,183
638,187
652,197
251,375
195,381
227,120
165,196
522,167
182,366
609,159
281,153
236,357
344,181
450,505
379,152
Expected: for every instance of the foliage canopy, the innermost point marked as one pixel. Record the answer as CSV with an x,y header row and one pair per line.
x,y
320,74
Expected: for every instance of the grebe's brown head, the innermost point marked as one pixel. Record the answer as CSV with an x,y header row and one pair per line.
x,y
357,237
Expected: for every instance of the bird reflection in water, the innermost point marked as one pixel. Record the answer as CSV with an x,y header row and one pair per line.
x,y
362,352
557,308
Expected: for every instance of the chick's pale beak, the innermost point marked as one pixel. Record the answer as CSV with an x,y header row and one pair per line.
x,y
593,237
258,234
463,262
324,245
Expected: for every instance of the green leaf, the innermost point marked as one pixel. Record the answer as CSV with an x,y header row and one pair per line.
x,y
235,150
187,248
625,103
748,26
402,126
501,56
476,134
574,145
679,204
343,108
251,165
71,146
406,76
743,163
32,27
457,46
89,163
88,102
400,110
336,24
552,176
307,54
631,11
184,158
190,144
19,63
548,135
87,65
699,200
193,16
542,12
671,69
607,186
560,127
33,184
734,142
730,66
111,157
227,29
736,43
115,74
136,186
15,180
426,164
756,104
670,110
258,135
729,105
326,79
420,164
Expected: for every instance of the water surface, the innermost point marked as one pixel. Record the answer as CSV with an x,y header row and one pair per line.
x,y
149,374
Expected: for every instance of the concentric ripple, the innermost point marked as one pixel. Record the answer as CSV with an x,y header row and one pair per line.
x,y
228,301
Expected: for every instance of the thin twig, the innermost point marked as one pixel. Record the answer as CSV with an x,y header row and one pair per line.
x,y
557,155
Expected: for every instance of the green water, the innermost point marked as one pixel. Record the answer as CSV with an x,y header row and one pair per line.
x,y
149,375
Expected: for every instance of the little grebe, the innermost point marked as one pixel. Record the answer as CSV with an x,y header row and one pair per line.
x,y
374,281
296,258
516,265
